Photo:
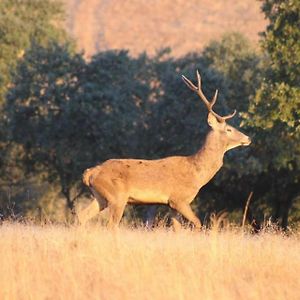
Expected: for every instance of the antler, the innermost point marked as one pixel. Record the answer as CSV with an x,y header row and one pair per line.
x,y
209,104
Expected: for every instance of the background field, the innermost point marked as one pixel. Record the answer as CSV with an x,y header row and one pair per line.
x,y
55,262
141,25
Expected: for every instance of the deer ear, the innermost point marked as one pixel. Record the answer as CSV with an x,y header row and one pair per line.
x,y
212,121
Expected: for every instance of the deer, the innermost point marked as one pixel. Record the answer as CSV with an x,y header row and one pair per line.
x,y
174,181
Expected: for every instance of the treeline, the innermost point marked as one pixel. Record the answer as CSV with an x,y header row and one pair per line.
x,y
61,114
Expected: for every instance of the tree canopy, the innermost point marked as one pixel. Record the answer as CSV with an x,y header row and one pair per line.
x,y
274,113
21,23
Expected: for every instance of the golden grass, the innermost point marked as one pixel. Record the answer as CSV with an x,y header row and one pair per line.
x,y
54,262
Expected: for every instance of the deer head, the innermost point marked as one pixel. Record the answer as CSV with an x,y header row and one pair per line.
x,y
229,135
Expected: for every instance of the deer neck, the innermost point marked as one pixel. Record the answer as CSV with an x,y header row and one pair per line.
x,y
209,159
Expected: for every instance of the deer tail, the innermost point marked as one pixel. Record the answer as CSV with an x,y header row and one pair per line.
x,y
87,176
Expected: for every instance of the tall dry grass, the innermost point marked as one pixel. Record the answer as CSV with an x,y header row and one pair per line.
x,y
55,262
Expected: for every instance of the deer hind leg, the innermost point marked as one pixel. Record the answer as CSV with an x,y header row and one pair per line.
x,y
98,204
101,200
187,212
89,212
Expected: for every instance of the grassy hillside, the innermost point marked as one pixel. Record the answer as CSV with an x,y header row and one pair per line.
x,y
73,263
142,25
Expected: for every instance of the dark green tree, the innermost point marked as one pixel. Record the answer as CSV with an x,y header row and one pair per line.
x,y
115,90
38,114
240,65
21,22
66,115
275,110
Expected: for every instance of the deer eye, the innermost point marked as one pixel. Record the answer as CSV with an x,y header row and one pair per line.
x,y
228,129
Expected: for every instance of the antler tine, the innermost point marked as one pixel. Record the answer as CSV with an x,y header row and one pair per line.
x,y
229,116
209,104
198,90
189,84
200,93
214,99
199,80
202,96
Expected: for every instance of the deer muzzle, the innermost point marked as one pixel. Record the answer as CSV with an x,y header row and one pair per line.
x,y
246,141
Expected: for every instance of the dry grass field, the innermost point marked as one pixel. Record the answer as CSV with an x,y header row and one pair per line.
x,y
55,262
143,25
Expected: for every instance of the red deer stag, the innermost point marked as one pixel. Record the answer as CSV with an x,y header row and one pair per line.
x,y
173,180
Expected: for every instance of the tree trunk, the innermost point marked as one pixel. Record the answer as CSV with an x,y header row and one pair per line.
x,y
291,193
70,205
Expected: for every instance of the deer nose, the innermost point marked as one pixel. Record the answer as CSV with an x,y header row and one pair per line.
x,y
247,141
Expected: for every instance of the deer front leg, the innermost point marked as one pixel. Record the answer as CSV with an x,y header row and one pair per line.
x,y
116,211
186,211
176,222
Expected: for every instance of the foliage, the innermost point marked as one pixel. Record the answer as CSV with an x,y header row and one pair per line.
x,y
37,111
275,111
68,115
240,66
21,22
115,89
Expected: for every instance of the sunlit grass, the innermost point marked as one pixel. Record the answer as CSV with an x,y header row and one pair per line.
x,y
55,262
